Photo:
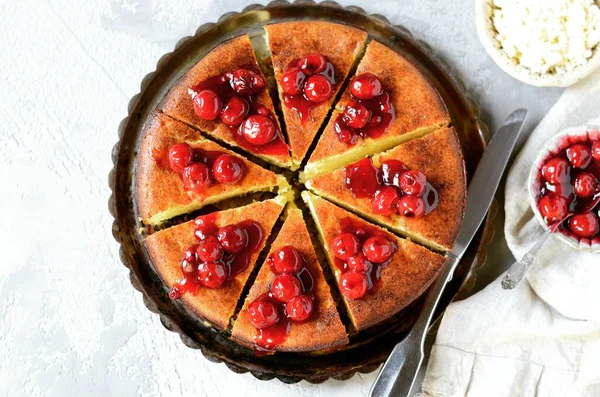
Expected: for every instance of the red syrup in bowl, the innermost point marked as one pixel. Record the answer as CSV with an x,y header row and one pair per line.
x,y
306,83
232,98
393,188
569,180
219,256
290,300
368,114
361,252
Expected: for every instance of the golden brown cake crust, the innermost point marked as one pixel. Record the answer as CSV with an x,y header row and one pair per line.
x,y
226,57
324,330
411,271
166,249
416,102
160,189
439,157
341,44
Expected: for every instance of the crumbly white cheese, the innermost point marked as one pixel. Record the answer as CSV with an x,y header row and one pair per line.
x,y
547,36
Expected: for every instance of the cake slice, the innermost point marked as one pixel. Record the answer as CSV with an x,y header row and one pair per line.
x,y
224,95
387,102
378,273
206,262
303,49
374,188
164,192
307,322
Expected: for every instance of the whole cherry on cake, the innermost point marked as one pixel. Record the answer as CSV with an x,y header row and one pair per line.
x,y
368,114
201,169
393,188
230,97
307,82
220,254
569,196
360,253
289,300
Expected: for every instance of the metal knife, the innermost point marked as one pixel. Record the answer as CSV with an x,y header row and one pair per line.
x,y
399,372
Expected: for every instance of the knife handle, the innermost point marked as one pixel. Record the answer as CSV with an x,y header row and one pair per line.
x,y
398,374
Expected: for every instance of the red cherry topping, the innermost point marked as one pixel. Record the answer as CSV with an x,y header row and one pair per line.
x,y
287,260
586,185
258,130
354,284
391,170
235,111
366,86
207,104
313,64
180,156
557,170
197,177
209,250
233,238
553,207
362,178
584,225
293,81
560,189
318,88
189,264
356,115
300,308
212,275
263,314
596,151
345,245
579,155
246,82
359,263
203,229
285,287
413,183
411,206
378,249
228,169
385,201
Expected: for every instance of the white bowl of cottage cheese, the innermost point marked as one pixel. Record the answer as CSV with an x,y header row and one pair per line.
x,y
545,43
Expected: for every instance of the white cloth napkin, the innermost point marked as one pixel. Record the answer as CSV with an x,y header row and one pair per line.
x,y
543,338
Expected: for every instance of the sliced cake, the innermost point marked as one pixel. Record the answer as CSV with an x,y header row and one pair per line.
x,y
289,307
225,96
311,62
387,102
206,262
178,172
378,273
417,189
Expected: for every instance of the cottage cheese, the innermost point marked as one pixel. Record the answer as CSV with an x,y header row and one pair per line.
x,y
547,36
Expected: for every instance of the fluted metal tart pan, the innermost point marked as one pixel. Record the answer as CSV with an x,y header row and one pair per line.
x,y
368,349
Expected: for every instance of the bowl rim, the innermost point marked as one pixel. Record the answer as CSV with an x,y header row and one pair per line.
x,y
485,31
533,183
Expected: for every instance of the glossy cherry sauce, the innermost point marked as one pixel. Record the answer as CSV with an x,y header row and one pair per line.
x,y
234,263
364,231
363,179
267,339
221,85
382,116
299,103
577,205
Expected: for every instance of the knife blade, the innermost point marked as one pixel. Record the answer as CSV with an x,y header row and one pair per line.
x,y
398,374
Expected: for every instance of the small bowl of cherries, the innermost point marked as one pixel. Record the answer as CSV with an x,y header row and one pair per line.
x,y
565,187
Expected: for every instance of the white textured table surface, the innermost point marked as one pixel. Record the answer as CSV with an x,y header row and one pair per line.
x,y
72,325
